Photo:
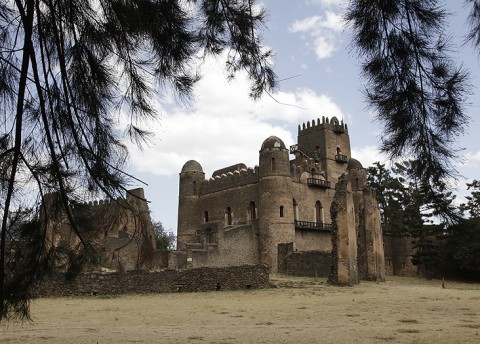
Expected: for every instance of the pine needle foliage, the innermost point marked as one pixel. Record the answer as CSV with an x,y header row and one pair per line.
x,y
415,88
69,72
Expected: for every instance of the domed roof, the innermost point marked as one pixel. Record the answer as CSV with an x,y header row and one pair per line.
x,y
354,164
273,142
192,166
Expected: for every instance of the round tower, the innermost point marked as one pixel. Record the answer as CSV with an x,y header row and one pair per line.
x,y
275,211
191,179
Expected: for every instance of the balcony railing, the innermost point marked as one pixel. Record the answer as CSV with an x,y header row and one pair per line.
x,y
318,183
343,159
314,226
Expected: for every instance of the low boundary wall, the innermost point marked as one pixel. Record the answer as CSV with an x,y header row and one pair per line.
x,y
199,279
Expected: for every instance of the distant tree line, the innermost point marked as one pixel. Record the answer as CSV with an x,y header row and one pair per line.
x,y
446,236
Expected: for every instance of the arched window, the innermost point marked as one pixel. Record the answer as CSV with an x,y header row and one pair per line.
x,y
318,212
295,210
252,211
273,164
282,211
338,151
228,216
205,216
209,236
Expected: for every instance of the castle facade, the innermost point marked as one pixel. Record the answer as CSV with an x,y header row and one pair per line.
x,y
316,203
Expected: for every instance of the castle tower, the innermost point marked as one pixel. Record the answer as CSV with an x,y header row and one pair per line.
x,y
191,179
328,143
276,221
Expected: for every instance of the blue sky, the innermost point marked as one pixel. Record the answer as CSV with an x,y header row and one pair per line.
x,y
320,77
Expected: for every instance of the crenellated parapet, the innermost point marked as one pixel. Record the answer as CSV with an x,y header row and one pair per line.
x,y
333,124
92,204
224,181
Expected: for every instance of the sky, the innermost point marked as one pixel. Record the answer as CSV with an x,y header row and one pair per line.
x,y
319,75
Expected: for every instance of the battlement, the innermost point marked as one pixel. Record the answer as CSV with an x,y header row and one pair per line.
x,y
333,124
223,181
131,195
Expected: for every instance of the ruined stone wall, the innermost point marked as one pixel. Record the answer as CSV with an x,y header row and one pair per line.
x,y
237,245
398,256
138,282
121,231
373,246
344,236
310,240
309,263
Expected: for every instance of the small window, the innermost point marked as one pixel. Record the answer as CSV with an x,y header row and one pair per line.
x,y
295,209
194,186
318,212
228,216
282,211
210,237
252,209
205,216
273,164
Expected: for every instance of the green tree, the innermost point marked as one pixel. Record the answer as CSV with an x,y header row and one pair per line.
x,y
473,201
463,239
413,85
391,196
69,70
410,209
164,239
463,248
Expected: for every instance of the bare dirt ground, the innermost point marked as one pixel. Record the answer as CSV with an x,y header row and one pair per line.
x,y
299,310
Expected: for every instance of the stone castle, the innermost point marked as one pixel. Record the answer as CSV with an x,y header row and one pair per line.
x,y
120,231
314,212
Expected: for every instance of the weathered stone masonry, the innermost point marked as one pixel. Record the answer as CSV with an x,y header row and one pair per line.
x,y
250,214
138,281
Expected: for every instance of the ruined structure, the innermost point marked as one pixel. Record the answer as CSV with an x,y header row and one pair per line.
x,y
120,231
313,211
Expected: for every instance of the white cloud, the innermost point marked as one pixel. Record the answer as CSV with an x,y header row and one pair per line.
x,y
368,155
323,32
328,3
224,126
472,159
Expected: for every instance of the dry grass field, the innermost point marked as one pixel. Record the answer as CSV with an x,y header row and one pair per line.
x,y
299,310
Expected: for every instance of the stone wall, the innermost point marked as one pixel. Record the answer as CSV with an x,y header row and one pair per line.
x,y
344,236
399,252
304,263
200,279
309,263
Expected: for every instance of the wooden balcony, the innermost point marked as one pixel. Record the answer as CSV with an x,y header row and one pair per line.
x,y
318,183
313,226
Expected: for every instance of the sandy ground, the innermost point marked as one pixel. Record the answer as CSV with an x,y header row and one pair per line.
x,y
299,310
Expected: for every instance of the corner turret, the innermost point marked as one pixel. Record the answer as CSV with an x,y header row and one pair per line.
x,y
274,159
191,179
